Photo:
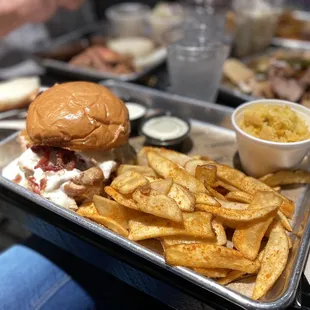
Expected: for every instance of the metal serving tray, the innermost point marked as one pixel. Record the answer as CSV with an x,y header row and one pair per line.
x,y
211,135
62,67
291,43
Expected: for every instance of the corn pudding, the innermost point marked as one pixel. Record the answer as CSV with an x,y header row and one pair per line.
x,y
277,123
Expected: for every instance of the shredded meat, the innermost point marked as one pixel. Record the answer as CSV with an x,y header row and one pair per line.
x,y
35,187
17,179
65,159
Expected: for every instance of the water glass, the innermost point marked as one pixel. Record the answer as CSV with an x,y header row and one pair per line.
x,y
195,63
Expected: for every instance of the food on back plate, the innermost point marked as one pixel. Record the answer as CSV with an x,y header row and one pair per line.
x,y
77,135
283,74
103,59
18,93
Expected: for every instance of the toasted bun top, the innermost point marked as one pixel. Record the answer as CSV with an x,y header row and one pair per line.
x,y
78,116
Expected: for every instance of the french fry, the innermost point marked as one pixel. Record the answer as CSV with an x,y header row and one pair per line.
x,y
121,199
239,196
162,185
251,186
233,205
192,164
157,204
286,177
128,182
166,168
183,197
212,273
143,170
173,240
209,256
231,277
248,238
214,193
285,222
89,211
228,187
273,262
111,209
176,157
219,232
153,245
196,224
204,198
235,217
277,189
206,174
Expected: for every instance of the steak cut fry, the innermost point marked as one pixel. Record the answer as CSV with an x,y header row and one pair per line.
x,y
273,262
209,256
248,238
168,169
196,224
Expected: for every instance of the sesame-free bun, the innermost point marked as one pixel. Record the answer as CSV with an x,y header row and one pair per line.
x,y
78,116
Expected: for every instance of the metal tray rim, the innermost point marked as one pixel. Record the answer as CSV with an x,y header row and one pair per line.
x,y
139,250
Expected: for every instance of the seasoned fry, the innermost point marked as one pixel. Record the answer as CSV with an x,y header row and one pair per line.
x,y
284,221
183,197
239,216
209,256
251,186
204,198
196,224
162,185
286,177
206,174
214,193
192,164
89,211
143,170
128,182
233,205
173,240
176,157
273,262
248,238
219,231
231,277
111,209
152,244
121,199
228,187
157,204
166,168
212,273
239,196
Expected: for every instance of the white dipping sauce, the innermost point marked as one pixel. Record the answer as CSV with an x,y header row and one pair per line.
x,y
135,110
165,128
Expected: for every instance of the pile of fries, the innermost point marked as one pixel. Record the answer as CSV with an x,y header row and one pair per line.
x,y
192,205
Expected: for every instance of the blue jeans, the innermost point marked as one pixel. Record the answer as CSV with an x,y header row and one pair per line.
x,y
29,281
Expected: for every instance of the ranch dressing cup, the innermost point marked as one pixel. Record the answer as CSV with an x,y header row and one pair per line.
x,y
260,157
255,24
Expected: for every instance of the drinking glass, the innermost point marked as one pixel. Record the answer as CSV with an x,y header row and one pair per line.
x,y
195,63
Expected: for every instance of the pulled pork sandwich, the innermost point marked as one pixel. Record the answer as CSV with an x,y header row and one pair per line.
x,y
76,135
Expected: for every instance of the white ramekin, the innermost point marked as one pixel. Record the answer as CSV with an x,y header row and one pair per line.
x,y
259,157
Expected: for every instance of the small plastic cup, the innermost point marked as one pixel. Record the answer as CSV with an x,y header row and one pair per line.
x,y
260,157
128,19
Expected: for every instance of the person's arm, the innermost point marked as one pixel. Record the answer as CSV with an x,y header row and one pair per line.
x,y
15,13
